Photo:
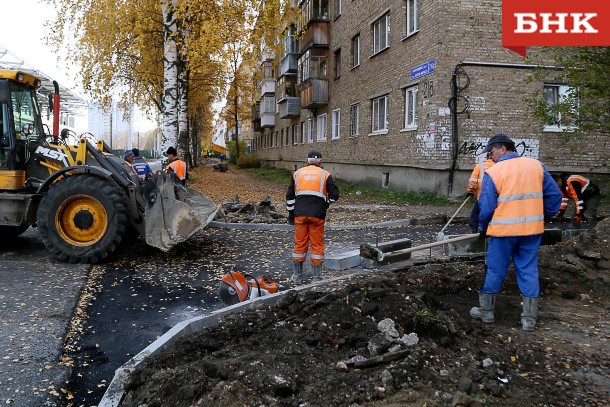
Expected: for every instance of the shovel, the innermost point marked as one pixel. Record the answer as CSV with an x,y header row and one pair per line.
x,y
441,235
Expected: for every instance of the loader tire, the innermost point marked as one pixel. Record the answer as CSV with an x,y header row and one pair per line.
x,y
83,218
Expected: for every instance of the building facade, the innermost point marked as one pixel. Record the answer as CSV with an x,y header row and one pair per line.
x,y
404,94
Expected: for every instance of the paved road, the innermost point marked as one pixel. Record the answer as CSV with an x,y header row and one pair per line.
x,y
37,297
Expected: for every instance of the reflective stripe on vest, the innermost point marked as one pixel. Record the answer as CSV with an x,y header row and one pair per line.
x,y
311,180
584,182
520,210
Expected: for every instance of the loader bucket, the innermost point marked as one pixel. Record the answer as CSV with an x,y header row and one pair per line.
x,y
174,212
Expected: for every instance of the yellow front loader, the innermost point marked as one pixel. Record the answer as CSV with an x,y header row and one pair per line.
x,y
82,198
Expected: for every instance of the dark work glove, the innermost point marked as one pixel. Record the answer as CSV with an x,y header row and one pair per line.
x,y
291,217
470,194
560,213
577,220
483,234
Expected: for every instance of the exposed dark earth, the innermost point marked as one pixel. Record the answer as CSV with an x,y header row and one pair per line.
x,y
403,337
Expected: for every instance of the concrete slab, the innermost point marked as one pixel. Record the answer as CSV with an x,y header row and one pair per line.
x,y
342,261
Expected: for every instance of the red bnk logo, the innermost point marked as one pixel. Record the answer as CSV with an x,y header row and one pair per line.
x,y
555,23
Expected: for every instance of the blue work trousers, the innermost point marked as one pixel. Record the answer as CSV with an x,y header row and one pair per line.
x,y
523,250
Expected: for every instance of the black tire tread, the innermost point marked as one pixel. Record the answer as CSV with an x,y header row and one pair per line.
x,y
108,193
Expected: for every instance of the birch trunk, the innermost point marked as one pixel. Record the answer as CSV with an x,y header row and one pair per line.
x,y
170,77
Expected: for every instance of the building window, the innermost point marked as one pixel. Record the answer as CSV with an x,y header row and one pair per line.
x,y
321,133
354,120
310,131
554,94
303,133
337,8
380,114
356,51
381,34
412,17
295,134
336,122
411,107
338,63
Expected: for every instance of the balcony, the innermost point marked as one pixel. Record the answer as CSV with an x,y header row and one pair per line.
x,y
256,117
267,120
316,35
289,107
288,65
266,85
313,93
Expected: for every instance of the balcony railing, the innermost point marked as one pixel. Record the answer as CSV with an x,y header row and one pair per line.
x,y
288,64
267,120
316,35
266,85
289,107
313,93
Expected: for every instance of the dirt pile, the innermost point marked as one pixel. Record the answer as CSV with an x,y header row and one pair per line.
x,y
233,211
402,337
580,263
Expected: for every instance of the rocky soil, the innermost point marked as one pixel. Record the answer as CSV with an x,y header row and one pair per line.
x,y
403,336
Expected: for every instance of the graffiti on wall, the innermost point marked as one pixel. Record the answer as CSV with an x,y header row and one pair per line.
x,y
524,147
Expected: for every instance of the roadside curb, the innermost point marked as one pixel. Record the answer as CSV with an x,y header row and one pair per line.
x,y
422,220
113,397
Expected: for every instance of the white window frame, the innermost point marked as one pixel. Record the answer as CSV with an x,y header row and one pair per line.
x,y
356,51
295,134
322,121
354,122
310,124
411,108
561,91
336,124
337,8
303,132
381,33
412,16
380,114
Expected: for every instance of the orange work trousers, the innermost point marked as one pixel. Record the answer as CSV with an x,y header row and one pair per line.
x,y
308,231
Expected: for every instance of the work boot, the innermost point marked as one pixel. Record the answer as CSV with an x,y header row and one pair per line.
x,y
297,275
486,311
316,272
529,314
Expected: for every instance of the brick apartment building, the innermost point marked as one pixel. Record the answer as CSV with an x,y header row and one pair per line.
x,y
404,94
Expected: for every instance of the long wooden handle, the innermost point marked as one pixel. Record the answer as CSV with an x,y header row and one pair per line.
x,y
456,212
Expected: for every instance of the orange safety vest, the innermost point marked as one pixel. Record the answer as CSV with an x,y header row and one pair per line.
x,y
311,180
178,167
571,192
476,178
520,210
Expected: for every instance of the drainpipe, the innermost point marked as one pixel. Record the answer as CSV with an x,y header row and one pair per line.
x,y
454,99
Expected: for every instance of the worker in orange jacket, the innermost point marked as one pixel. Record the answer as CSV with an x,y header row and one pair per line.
x,y
309,195
516,195
474,186
177,166
585,193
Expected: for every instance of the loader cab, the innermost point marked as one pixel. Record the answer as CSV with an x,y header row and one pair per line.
x,y
20,119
